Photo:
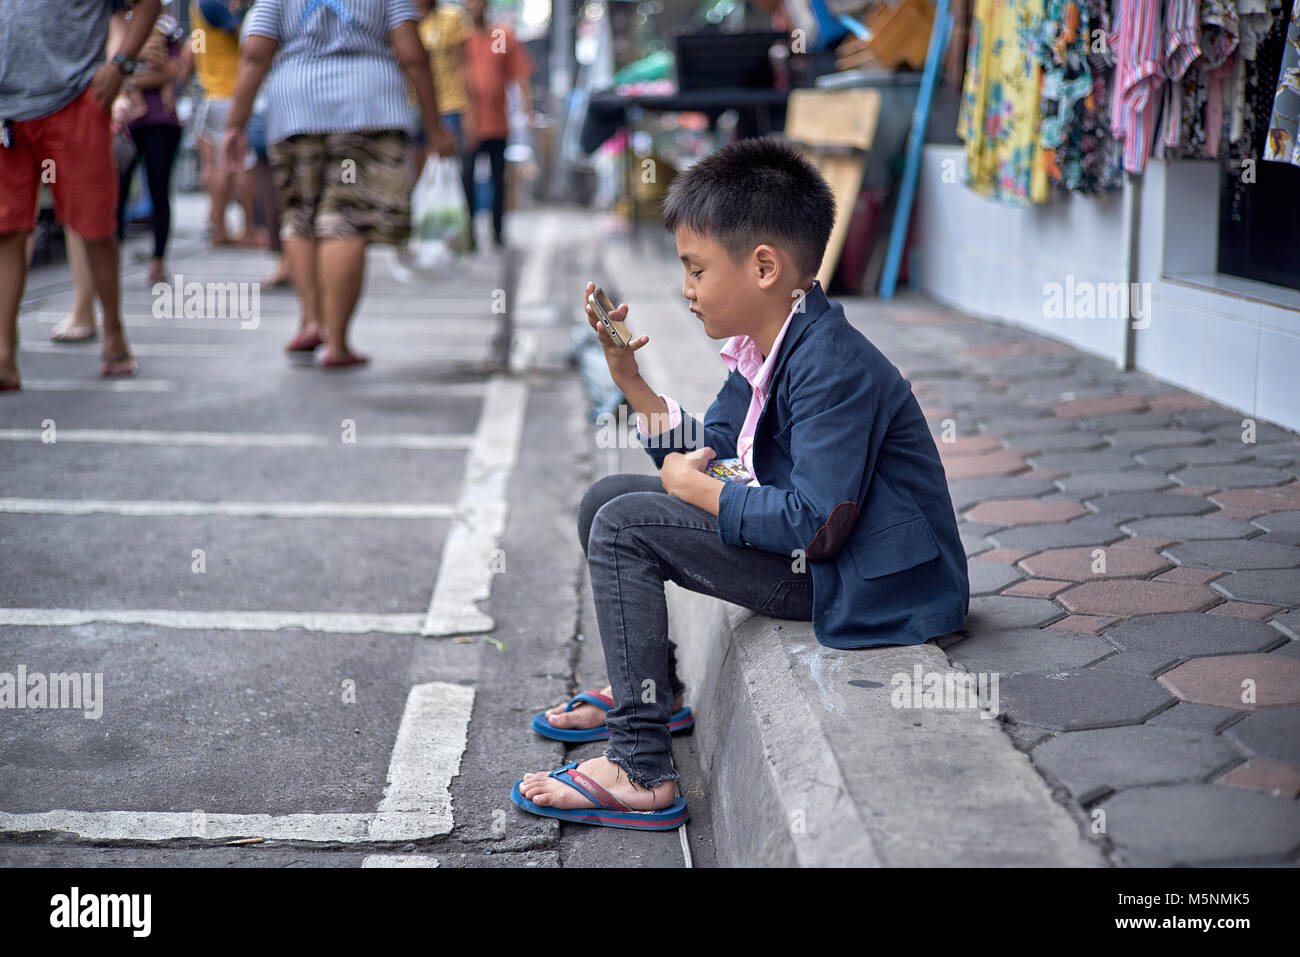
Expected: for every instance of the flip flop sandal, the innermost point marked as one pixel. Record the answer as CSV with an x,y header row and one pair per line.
x,y
11,387
609,810
108,363
304,342
352,360
63,336
682,720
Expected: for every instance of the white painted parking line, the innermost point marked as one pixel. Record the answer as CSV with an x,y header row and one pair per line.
x,y
200,350
537,267
400,510
98,385
405,352
338,623
399,860
467,321
417,800
389,440
426,756
469,556
180,825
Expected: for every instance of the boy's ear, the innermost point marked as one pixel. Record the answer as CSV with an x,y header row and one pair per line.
x,y
767,266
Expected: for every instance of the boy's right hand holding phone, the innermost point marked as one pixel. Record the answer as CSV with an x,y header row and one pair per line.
x,y
622,363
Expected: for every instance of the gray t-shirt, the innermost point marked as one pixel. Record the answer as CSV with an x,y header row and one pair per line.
x,y
49,50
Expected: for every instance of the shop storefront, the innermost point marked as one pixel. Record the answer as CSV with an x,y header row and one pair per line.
x,y
1130,183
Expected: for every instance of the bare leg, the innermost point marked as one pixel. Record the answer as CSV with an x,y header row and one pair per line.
x,y
104,267
80,322
13,276
246,193
342,271
217,182
300,255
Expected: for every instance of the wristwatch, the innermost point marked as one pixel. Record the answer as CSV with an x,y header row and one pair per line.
x,y
125,63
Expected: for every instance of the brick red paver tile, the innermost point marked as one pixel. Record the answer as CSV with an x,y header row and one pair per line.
x,y
1014,349
1126,597
1101,405
1191,576
1245,609
970,444
1264,774
1221,681
1000,462
1244,514
1008,555
1178,403
1024,511
1280,498
1122,560
1036,588
1083,624
1140,541
1191,489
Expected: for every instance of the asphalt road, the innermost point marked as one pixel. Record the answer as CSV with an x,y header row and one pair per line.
x,y
250,552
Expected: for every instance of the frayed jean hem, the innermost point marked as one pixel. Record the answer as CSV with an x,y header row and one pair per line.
x,y
636,778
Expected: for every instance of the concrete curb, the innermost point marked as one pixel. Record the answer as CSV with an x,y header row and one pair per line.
x,y
807,761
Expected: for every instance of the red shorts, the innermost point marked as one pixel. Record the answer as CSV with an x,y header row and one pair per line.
x,y
72,151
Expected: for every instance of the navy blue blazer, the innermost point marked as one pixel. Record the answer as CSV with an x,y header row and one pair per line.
x,y
841,427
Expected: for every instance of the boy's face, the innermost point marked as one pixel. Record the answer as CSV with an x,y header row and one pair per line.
x,y
723,295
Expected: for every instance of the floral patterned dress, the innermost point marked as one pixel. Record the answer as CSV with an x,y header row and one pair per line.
x,y
999,119
1283,142
1080,152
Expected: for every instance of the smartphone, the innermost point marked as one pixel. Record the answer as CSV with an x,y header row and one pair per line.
x,y
602,307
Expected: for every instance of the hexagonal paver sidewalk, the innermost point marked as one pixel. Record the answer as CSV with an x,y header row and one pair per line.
x,y
1135,581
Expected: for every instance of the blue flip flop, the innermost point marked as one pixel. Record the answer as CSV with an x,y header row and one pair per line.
x,y
609,810
681,720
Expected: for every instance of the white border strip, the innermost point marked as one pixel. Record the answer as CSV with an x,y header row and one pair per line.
x,y
339,623
466,570
417,804
391,440
426,756
98,385
48,506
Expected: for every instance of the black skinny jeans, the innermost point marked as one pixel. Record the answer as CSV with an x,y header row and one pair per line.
x,y
156,145
496,154
636,537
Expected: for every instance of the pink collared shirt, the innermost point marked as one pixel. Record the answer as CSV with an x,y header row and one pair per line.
x,y
741,353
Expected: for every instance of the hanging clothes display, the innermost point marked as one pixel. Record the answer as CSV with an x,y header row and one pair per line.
x,y
1200,94
999,118
1254,20
1135,98
1261,87
1079,150
1283,142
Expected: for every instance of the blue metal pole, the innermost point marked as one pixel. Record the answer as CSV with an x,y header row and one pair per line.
x,y
939,35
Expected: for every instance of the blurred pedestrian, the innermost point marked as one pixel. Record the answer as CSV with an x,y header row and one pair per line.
x,y
496,59
55,94
336,125
216,60
444,30
79,324
266,202
155,129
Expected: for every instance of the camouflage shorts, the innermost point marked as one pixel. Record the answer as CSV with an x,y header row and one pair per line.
x,y
343,184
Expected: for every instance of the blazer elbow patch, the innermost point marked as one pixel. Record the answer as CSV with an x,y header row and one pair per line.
x,y
834,532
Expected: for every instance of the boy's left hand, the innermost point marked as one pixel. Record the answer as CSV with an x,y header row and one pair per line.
x,y
683,477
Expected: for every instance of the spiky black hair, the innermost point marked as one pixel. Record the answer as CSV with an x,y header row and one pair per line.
x,y
755,191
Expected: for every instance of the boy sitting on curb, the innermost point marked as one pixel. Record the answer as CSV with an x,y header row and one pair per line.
x,y
847,520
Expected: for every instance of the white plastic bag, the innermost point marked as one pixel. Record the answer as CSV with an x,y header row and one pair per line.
x,y
440,221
